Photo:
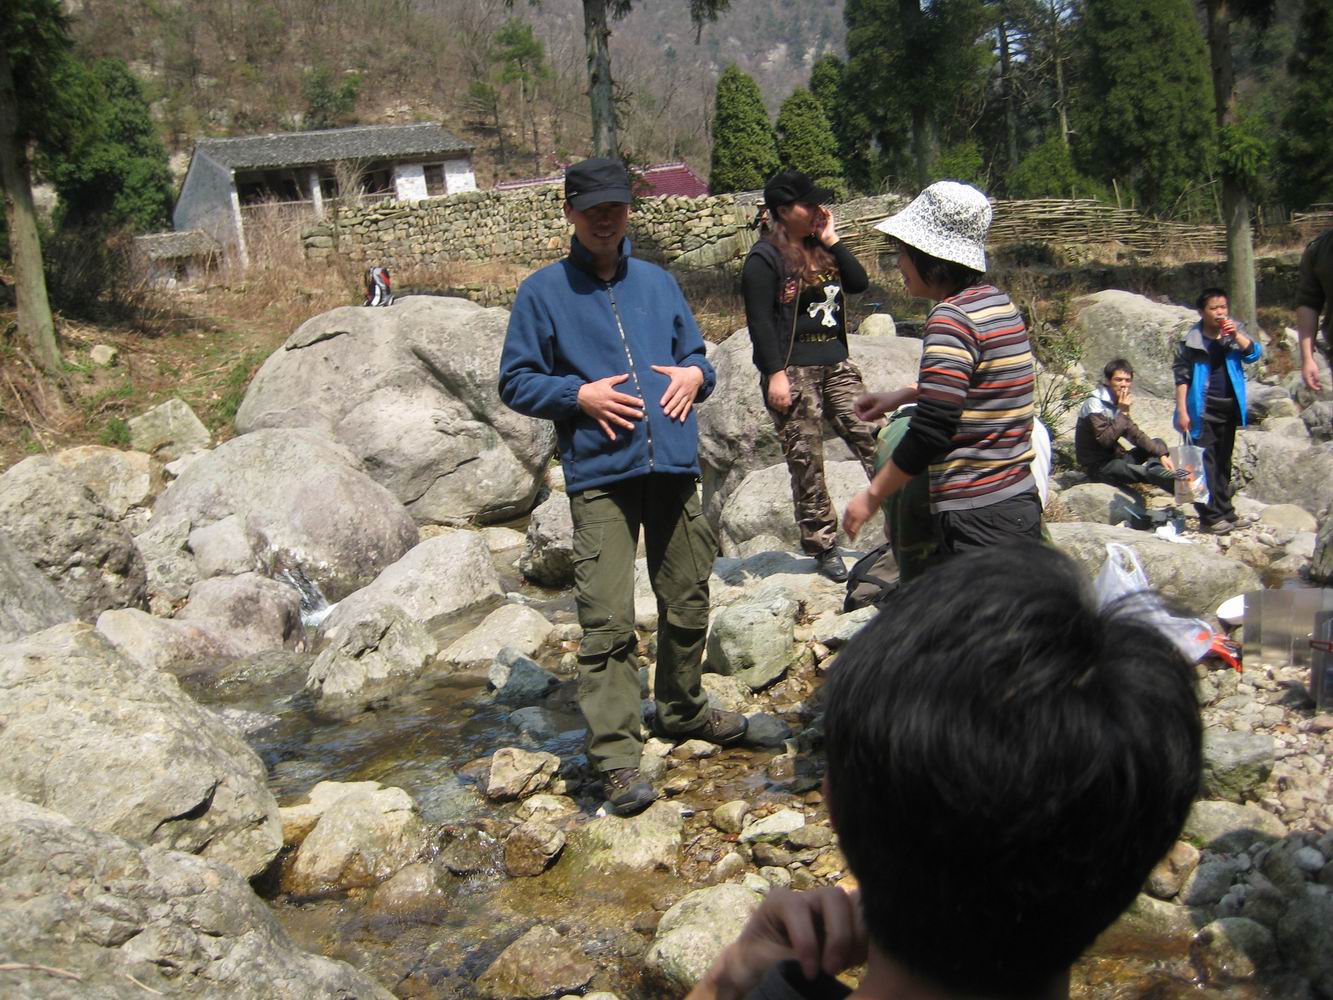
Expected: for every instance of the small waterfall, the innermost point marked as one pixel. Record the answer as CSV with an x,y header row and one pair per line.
x,y
314,606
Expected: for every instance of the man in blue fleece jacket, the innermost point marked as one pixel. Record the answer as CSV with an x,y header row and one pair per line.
x,y
604,346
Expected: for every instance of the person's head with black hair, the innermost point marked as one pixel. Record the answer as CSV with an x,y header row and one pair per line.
x,y
1006,763
1117,365
1207,295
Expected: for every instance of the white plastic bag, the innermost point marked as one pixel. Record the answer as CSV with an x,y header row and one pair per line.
x,y
1122,578
1191,482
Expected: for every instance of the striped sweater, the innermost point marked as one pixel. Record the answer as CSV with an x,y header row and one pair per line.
x,y
973,421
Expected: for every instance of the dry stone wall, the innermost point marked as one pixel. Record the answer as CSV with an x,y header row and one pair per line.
x,y
526,226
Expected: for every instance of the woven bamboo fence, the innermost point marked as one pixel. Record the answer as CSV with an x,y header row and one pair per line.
x,y
1310,224
1068,225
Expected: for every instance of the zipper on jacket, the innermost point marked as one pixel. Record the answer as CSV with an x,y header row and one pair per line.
x,y
633,371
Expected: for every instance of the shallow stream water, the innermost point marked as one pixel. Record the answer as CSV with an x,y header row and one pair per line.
x,y
424,743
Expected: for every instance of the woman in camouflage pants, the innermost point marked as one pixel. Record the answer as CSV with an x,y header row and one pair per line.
x,y
793,283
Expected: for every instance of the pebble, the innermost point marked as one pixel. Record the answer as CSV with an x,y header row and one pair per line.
x,y
730,817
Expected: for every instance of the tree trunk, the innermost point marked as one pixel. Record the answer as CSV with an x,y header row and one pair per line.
x,y
25,248
600,97
1235,200
1007,83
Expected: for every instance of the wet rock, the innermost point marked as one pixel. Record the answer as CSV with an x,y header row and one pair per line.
x,y
762,504
222,548
548,547
121,749
544,806
1305,939
1169,874
108,909
471,852
29,602
1235,764
535,722
169,431
765,730
532,847
439,577
1228,828
541,963
362,838
299,819
774,829
243,722
307,506
411,392
752,639
254,613
380,655
120,480
1149,919
414,887
771,856
728,867
1232,949
1209,882
517,680
512,626
646,841
1195,576
693,933
695,750
810,837
731,694
516,774
71,538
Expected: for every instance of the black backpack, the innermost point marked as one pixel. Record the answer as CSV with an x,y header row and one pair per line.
x,y
872,580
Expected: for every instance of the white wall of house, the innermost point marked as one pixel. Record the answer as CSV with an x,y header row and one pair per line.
x,y
458,175
208,201
409,181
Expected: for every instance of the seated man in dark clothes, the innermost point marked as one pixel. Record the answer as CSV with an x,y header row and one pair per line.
x,y
1103,421
1000,790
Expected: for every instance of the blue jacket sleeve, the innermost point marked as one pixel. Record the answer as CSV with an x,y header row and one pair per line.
x,y
528,383
1256,350
688,348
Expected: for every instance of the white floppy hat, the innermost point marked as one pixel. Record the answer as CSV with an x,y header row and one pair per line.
x,y
947,220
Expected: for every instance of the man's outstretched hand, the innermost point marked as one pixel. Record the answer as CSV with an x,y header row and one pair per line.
x,y
679,396
610,407
822,929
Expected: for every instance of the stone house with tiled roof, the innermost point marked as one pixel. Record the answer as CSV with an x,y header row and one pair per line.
x,y
231,183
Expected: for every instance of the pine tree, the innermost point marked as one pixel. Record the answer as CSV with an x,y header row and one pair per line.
x,y
806,142
1305,143
115,174
851,127
744,152
1145,118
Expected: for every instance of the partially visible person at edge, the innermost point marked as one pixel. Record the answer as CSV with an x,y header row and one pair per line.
x,y
1210,399
794,283
1000,791
1314,295
972,426
605,346
1103,420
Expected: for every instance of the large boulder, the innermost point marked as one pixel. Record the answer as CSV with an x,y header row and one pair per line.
x,y
411,392
168,644
762,505
380,653
121,749
441,576
121,480
71,537
129,920
548,546
313,517
29,602
736,435
753,638
255,613
1118,324
362,838
513,626
1279,469
1196,577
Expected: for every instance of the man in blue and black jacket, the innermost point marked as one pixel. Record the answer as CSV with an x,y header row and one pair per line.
x,y
605,346
1210,398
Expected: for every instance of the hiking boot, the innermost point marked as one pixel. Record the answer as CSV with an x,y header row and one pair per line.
x,y
1218,528
627,791
830,564
723,728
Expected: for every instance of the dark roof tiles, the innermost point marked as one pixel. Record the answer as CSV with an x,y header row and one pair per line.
x,y
300,149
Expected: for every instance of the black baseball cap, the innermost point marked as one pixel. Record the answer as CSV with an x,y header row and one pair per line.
x,y
790,186
595,182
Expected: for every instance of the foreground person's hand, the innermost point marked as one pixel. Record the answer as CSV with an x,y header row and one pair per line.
x,y
610,407
860,509
821,929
